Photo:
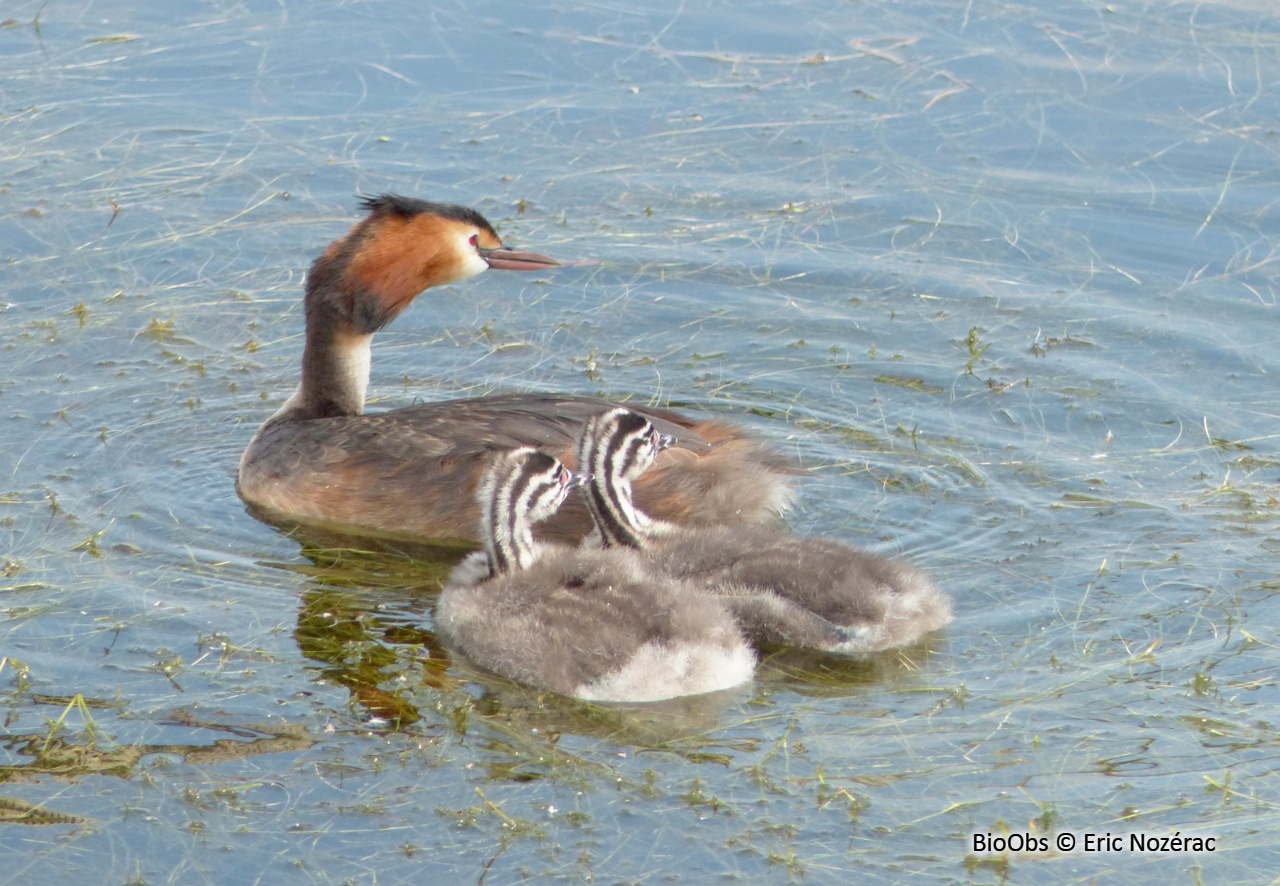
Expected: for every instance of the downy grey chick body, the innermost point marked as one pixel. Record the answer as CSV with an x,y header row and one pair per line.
x,y
592,624
809,592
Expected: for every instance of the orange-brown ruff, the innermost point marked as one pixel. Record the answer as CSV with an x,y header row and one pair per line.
x,y
412,473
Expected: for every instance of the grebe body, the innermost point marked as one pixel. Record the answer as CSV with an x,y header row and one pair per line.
x,y
412,472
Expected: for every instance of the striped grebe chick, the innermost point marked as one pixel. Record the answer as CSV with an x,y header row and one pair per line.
x,y
810,592
592,624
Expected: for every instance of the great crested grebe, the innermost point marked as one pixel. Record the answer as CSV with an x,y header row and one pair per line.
x,y
809,592
592,624
412,472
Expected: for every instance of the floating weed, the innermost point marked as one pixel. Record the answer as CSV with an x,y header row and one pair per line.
x,y
1203,686
375,809
707,757
1000,387
15,811
590,365
698,797
1216,730
794,866
1042,345
759,772
515,826
1222,787
1081,499
858,437
967,469
695,360
45,330
520,741
901,482
1223,444
77,700
826,796
158,330
168,664
997,863
227,651
913,435
1146,656
90,544
1238,505
62,758
89,725
473,817
955,696
1256,462
975,348
1047,820
910,383
21,674
460,717
573,817
1229,445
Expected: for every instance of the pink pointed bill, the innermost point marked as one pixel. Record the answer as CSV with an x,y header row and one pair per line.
x,y
503,259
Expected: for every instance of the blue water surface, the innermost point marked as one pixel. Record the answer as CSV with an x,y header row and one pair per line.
x,y
1002,275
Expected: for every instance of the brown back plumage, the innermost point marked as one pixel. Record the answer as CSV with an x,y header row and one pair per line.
x,y
412,473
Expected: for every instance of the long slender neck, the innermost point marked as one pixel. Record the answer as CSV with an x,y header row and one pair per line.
x,y
506,528
341,318
335,374
619,522
607,453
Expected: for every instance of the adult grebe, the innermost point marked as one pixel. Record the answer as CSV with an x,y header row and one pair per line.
x,y
809,592
593,624
412,472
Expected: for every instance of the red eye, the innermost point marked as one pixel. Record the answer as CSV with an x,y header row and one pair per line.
x,y
475,240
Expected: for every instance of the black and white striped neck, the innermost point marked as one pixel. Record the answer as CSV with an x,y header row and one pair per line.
x,y
616,447
521,487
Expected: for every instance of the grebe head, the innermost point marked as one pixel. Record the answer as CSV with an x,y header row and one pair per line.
x,y
620,445
616,447
521,487
404,246
364,279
